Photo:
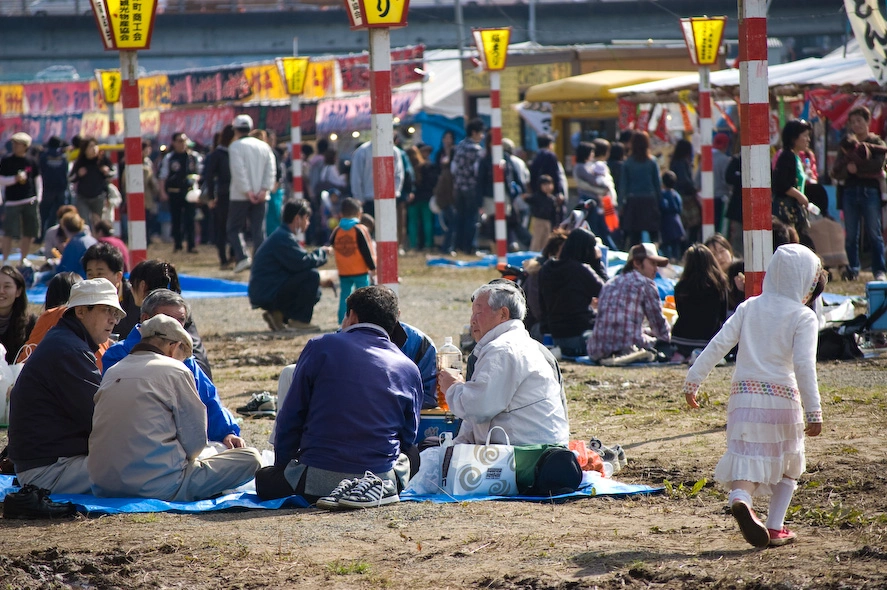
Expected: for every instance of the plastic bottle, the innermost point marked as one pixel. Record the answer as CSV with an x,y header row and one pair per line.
x,y
448,357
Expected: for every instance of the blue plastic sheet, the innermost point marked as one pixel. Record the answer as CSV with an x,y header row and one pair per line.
x,y
89,504
193,287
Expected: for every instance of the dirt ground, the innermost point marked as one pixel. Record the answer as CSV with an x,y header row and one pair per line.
x,y
679,539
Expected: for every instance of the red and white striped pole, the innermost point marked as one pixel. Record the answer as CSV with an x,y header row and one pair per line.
x,y
132,145
754,113
296,140
382,125
708,185
498,168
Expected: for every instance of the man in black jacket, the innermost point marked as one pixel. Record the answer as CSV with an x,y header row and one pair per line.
x,y
51,403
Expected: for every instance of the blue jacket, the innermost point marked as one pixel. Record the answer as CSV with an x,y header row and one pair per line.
x,y
51,403
349,420
220,422
421,350
278,258
73,252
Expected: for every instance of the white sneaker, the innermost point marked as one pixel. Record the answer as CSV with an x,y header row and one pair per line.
x,y
243,264
880,276
370,491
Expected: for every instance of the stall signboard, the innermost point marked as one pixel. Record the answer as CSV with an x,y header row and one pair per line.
x,y
12,99
198,124
265,83
321,80
355,71
154,92
203,87
354,114
55,98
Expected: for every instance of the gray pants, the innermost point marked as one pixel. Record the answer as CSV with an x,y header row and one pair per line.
x,y
68,475
238,213
205,478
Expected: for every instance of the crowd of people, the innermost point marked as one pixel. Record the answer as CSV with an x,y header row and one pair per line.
x,y
144,408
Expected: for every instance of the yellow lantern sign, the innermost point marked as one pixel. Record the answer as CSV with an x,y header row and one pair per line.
x,y
125,25
109,83
370,14
293,72
703,36
492,46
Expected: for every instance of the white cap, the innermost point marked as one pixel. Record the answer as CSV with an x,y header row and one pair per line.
x,y
243,122
21,137
94,292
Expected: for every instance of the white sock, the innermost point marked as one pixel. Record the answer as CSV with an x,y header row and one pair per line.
x,y
739,495
782,497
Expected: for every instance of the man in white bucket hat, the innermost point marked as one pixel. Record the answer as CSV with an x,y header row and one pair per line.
x,y
51,405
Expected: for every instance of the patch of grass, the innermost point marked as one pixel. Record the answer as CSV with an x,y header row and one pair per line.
x,y
682,491
347,568
837,516
147,518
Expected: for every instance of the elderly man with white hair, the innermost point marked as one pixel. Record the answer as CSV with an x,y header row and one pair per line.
x,y
149,426
511,381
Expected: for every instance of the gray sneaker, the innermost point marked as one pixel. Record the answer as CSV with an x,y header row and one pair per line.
x,y
243,265
370,491
331,502
261,404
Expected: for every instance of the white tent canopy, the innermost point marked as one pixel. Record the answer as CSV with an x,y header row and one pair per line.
x,y
442,93
837,68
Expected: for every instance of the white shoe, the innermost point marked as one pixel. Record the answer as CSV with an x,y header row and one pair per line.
x,y
243,264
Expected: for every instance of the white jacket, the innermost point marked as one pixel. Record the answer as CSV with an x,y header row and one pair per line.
x,y
514,387
252,168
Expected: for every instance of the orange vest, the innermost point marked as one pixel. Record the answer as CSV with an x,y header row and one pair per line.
x,y
354,255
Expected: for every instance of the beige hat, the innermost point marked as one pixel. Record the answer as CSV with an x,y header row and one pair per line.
x,y
163,326
21,137
648,250
95,292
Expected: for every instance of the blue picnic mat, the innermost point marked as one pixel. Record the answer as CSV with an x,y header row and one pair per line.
x,y
89,504
600,487
193,287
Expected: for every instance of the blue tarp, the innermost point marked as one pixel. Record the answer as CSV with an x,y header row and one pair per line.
x,y
192,288
89,504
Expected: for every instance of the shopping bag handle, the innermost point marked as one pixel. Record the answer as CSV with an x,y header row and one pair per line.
x,y
490,434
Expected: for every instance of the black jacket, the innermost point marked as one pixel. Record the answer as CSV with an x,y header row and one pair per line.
x,y
566,288
52,401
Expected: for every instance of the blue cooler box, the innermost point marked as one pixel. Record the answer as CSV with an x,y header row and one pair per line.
x,y
875,292
436,422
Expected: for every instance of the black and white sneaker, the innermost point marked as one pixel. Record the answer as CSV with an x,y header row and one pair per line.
x,y
331,502
261,404
370,491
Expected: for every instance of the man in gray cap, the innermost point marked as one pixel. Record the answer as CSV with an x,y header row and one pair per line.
x,y
149,426
20,174
51,404
252,178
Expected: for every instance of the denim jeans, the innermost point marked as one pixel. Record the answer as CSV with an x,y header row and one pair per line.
x,y
865,202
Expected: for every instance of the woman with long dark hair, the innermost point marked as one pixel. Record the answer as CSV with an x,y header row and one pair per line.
x,y
217,182
701,301
15,321
639,188
567,285
691,210
90,174
789,179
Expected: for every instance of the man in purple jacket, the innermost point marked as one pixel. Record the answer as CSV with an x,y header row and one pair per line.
x,y
353,407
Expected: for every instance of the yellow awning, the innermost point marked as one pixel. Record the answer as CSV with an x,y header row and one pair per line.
x,y
593,86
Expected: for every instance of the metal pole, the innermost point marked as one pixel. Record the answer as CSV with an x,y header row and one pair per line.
x,y
382,124
531,20
296,135
754,114
705,127
498,168
132,144
460,25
